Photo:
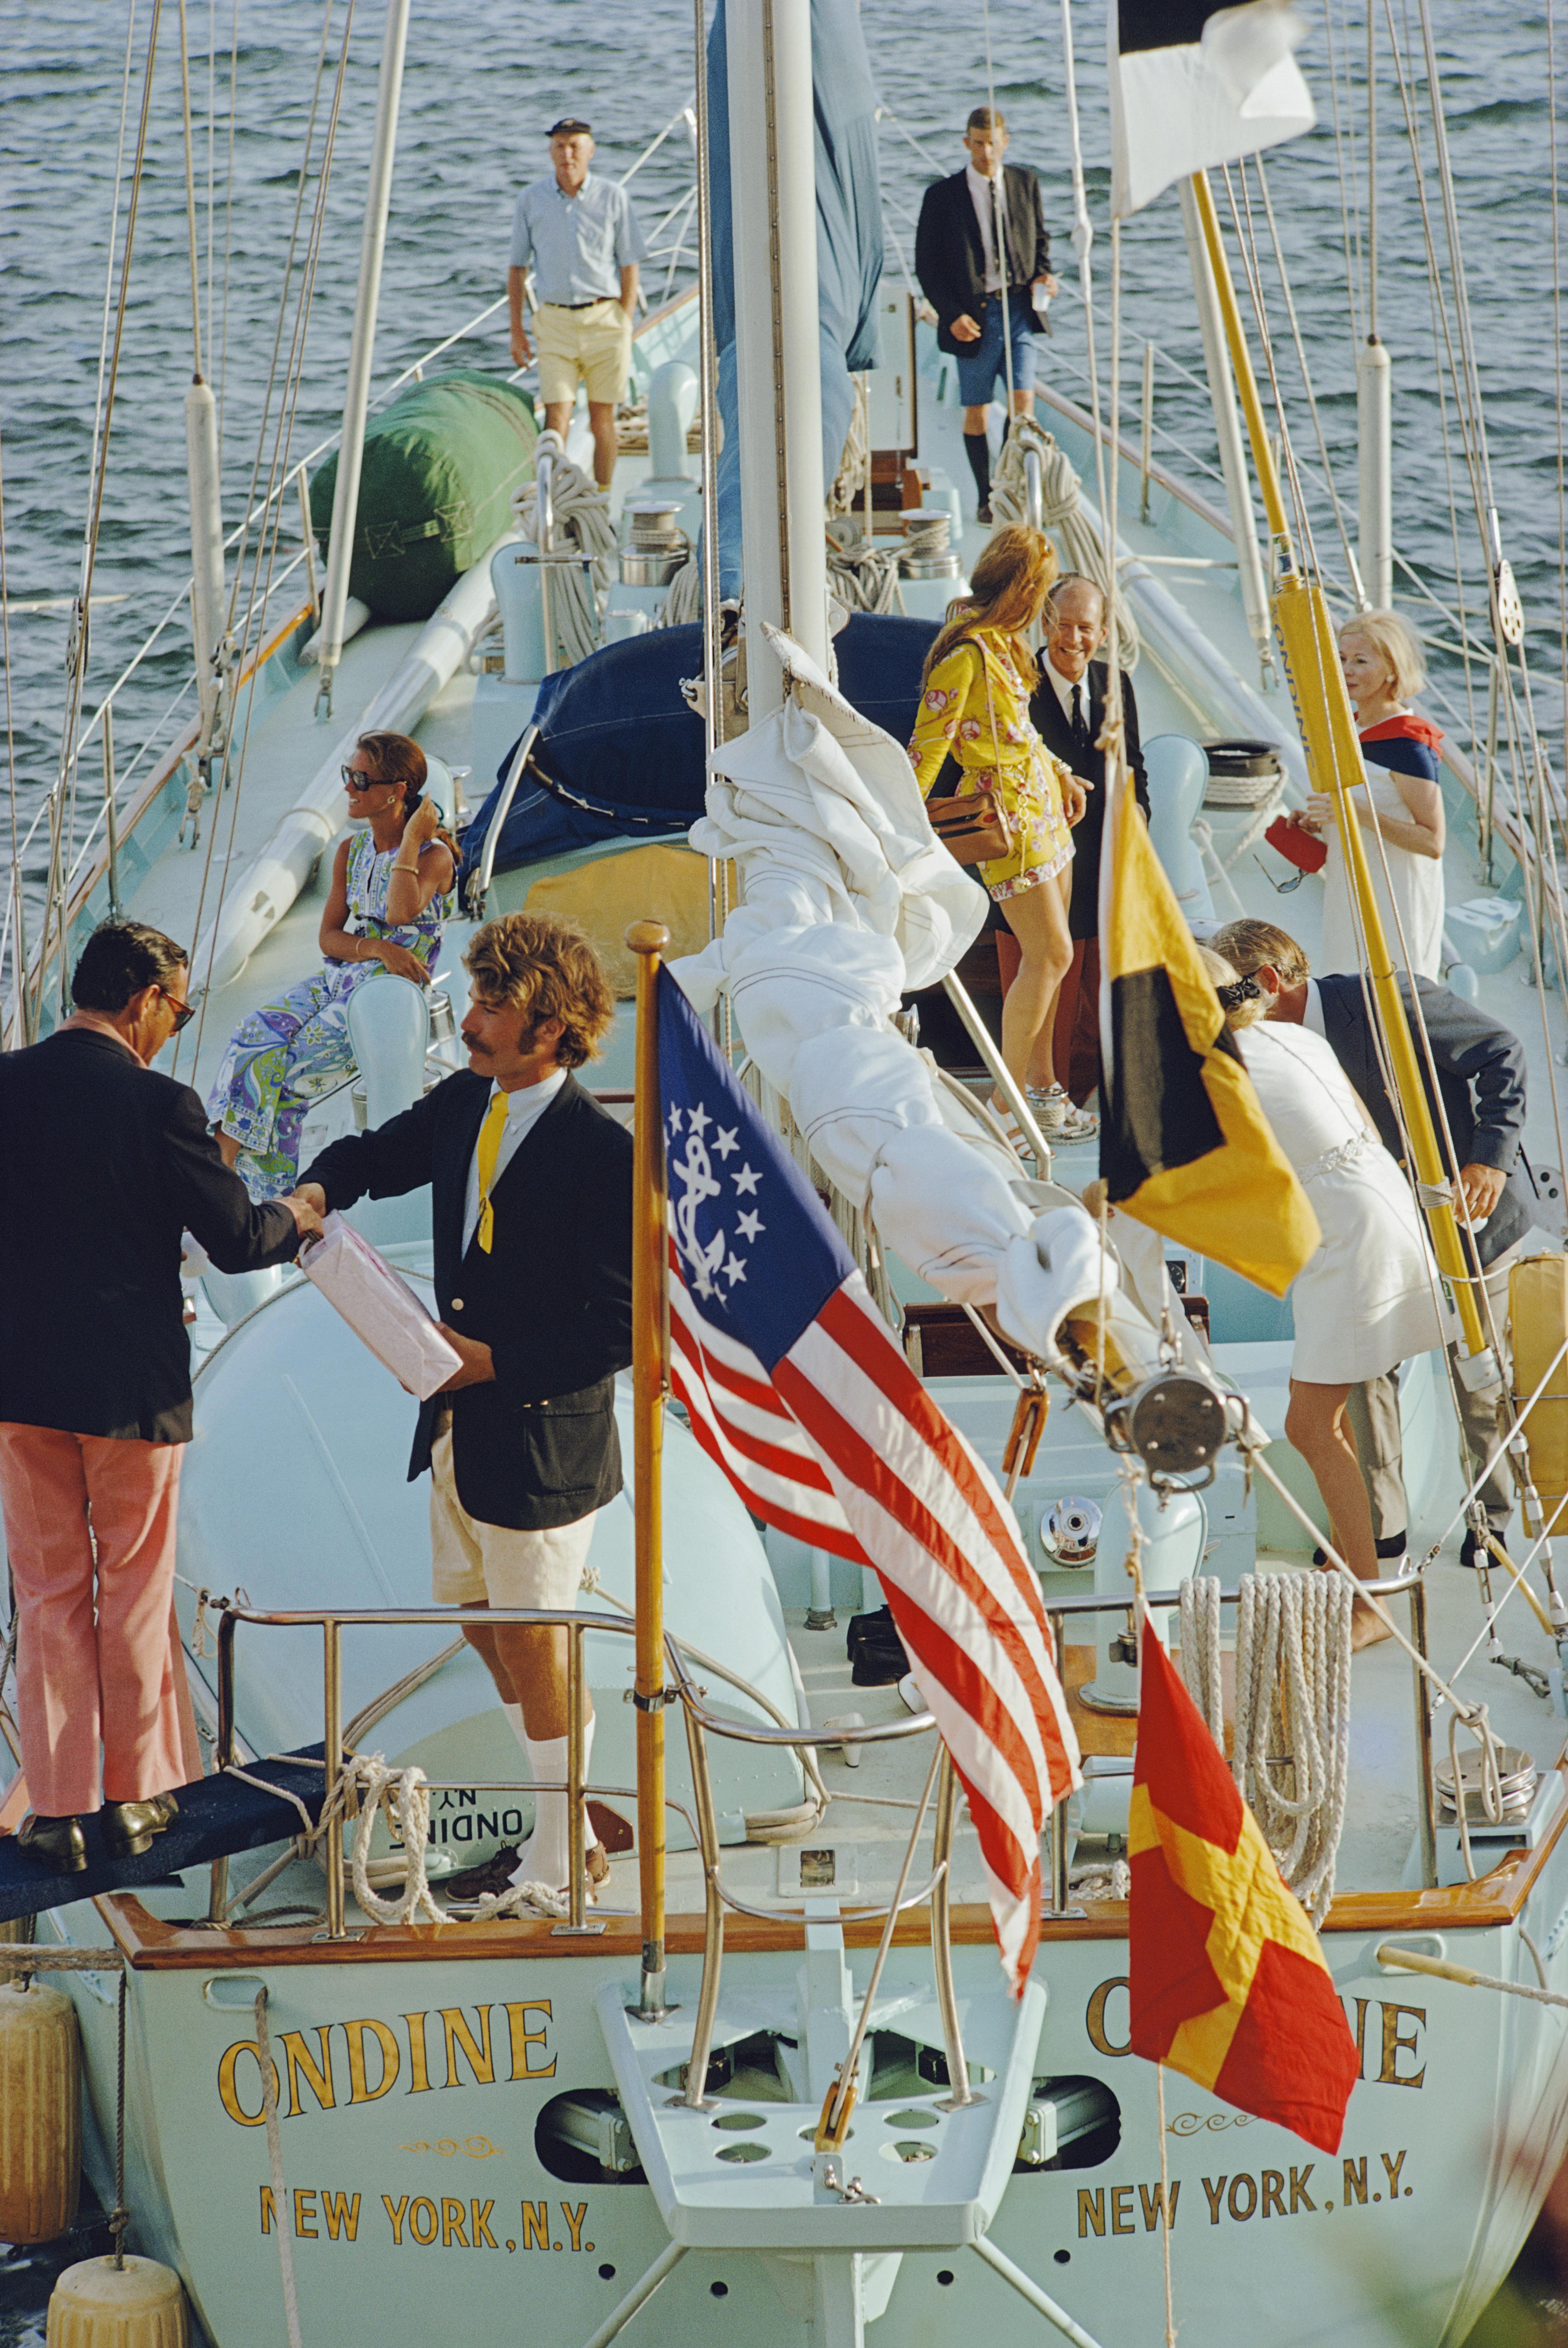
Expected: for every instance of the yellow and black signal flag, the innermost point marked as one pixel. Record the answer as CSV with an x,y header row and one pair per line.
x,y
1184,1146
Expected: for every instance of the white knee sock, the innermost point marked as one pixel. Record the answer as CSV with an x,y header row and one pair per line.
x,y
514,1715
544,1856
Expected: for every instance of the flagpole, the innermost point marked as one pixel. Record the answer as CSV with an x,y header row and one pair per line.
x,y
648,941
1334,762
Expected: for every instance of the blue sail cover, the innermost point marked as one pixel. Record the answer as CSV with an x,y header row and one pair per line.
x,y
849,244
626,754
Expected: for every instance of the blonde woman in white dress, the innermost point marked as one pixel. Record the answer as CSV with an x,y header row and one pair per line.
x,y
1370,1298
1381,658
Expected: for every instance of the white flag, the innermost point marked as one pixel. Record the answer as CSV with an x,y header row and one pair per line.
x,y
1193,84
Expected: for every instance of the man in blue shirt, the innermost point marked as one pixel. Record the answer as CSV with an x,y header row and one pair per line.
x,y
581,236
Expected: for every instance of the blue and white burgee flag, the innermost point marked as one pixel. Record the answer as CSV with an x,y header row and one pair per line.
x,y
795,1387
1195,84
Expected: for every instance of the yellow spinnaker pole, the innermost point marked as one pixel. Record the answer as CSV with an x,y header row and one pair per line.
x,y
1334,762
648,941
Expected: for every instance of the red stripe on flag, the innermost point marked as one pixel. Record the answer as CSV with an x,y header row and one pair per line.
x,y
809,1530
862,1465
865,1342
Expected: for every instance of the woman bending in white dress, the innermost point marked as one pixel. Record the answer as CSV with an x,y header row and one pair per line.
x,y
1370,1298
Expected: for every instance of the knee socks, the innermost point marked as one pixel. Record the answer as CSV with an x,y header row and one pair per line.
x,y
977,449
545,1856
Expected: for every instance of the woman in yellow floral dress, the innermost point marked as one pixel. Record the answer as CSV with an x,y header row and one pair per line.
x,y
974,710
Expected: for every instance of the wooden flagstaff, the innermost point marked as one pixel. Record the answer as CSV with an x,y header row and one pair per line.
x,y
648,941
1334,764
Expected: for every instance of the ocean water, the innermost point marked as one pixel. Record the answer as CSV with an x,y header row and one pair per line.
x,y
481,86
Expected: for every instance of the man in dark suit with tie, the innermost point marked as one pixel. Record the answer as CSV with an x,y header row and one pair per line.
x,y
1068,707
1482,1079
106,1164
531,1211
982,248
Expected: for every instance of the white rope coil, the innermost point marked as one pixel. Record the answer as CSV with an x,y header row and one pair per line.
x,y
582,526
1293,1712
1063,518
854,465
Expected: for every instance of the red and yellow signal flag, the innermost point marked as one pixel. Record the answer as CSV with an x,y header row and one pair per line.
x,y
1184,1146
1226,1979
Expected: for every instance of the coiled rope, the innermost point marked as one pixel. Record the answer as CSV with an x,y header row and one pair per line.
x,y
1062,518
1293,1712
583,527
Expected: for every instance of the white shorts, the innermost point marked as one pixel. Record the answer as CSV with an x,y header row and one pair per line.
x,y
471,1563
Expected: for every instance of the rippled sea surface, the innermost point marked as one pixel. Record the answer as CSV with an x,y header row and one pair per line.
x,y
482,83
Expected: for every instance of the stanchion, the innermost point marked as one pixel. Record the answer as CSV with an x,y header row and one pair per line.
x,y
648,941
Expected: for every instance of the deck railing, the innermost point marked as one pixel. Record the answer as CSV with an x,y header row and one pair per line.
x,y
700,1724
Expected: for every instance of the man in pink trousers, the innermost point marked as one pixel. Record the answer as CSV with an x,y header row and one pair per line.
x,y
105,1166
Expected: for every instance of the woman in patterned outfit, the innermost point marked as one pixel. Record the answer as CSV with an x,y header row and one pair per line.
x,y
975,712
394,882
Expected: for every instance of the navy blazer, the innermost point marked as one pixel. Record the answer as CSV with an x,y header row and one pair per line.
x,y
950,258
1051,724
1481,1074
106,1164
536,1447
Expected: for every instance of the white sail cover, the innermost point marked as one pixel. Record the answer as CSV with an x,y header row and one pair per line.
x,y
1193,86
850,899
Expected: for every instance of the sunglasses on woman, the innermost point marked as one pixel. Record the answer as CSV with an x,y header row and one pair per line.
x,y
354,779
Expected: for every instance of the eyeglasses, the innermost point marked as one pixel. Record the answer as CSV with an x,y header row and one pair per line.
x,y
183,1012
354,779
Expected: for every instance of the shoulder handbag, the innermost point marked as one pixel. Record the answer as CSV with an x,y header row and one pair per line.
x,y
972,825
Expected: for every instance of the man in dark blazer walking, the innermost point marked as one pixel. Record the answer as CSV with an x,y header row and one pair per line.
x,y
531,1210
983,256
1068,707
1481,1078
106,1164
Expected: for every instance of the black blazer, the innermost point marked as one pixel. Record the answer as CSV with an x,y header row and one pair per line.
x,y
950,258
1052,726
552,1301
104,1164
1481,1074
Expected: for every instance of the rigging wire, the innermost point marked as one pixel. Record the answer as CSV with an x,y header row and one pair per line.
x,y
1440,331
1352,567
1349,202
228,218
999,229
189,193
1557,368
17,913
271,508
109,378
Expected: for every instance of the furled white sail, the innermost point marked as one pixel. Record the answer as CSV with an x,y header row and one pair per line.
x,y
849,900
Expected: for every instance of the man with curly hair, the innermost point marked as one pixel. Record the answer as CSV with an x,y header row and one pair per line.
x,y
531,1186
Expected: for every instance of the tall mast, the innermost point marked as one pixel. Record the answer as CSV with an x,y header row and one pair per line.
x,y
362,349
773,188
1334,760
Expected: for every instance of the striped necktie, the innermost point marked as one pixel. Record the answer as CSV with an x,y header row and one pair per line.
x,y
491,1132
1080,729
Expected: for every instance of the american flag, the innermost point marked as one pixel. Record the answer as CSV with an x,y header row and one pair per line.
x,y
795,1387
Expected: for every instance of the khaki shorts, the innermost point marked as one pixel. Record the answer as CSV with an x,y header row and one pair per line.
x,y
595,345
472,1563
